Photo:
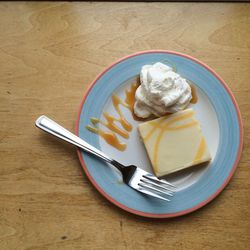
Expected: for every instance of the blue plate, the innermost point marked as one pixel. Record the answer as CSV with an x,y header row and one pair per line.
x,y
217,102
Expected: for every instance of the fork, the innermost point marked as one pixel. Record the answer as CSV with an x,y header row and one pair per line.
x,y
133,176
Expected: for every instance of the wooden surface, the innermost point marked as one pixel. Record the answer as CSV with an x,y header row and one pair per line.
x,y
50,53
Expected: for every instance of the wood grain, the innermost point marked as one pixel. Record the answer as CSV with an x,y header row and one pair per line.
x,y
50,53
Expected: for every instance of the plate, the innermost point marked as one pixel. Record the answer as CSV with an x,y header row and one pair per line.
x,y
216,110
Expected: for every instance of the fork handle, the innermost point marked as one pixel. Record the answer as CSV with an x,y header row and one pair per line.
x,y
51,127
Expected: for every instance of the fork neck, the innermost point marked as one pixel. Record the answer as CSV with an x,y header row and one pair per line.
x,y
118,165
127,171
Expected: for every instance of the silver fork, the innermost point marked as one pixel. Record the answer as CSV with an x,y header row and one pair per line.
x,y
133,176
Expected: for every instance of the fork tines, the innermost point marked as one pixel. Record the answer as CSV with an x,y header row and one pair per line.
x,y
158,188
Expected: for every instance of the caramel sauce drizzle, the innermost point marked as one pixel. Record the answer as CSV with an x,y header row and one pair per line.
x,y
194,94
109,137
200,151
157,142
130,95
116,103
130,99
110,124
110,121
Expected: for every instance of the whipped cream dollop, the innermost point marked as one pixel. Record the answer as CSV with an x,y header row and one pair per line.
x,y
161,91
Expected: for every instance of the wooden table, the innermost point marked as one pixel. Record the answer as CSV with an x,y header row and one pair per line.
x,y
50,53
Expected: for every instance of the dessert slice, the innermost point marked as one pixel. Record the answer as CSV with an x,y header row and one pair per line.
x,y
174,142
